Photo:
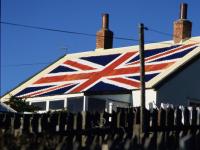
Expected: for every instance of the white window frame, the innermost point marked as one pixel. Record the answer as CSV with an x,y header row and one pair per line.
x,y
58,97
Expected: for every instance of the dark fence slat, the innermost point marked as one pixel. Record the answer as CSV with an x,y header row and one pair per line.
x,y
194,116
178,118
162,118
130,121
35,123
154,119
17,122
186,114
170,118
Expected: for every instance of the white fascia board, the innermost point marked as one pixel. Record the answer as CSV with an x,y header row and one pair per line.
x,y
99,52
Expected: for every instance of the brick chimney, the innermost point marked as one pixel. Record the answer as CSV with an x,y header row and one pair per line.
x,y
104,37
182,27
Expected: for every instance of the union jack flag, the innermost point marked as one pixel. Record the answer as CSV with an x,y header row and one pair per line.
x,y
113,72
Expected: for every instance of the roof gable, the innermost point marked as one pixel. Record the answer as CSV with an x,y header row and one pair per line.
x,y
114,68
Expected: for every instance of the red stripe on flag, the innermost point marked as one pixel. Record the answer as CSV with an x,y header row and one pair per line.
x,y
126,81
63,78
131,70
47,90
78,65
164,53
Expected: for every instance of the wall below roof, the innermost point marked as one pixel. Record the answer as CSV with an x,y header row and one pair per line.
x,y
127,98
150,94
183,86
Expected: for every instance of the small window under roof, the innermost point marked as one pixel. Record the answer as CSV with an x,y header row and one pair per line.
x,y
57,104
39,105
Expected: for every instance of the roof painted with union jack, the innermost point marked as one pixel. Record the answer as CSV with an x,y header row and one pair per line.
x,y
111,70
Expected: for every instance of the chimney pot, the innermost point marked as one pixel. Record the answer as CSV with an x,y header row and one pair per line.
x,y
183,11
105,21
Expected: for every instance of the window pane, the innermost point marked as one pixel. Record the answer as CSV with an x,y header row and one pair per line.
x,y
39,105
75,104
58,104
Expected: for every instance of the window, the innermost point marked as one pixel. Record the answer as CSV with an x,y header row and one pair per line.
x,y
57,104
39,105
75,104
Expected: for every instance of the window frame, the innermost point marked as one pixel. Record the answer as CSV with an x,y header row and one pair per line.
x,y
56,97
55,101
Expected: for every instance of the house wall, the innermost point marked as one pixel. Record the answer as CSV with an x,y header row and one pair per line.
x,y
182,86
150,94
127,98
112,102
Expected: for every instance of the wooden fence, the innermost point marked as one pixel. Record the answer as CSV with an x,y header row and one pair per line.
x,y
166,129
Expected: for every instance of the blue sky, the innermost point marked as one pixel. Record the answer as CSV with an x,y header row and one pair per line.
x,y
30,46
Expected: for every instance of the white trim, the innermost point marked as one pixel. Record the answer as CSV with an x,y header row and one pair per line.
x,y
47,99
65,103
47,105
85,103
56,97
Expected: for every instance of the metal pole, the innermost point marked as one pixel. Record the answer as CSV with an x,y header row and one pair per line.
x,y
142,77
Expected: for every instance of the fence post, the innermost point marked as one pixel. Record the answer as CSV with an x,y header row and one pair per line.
x,y
17,121
161,141
53,122
170,118
186,114
35,123
123,118
154,120
198,116
115,120
178,118
137,115
45,122
77,125
96,119
85,124
70,121
194,116
105,119
130,121
26,123
147,120
118,119
62,121
161,119
7,121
